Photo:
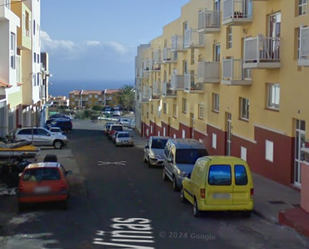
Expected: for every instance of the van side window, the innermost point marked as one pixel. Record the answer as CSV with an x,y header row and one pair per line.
x,y
166,151
241,177
220,175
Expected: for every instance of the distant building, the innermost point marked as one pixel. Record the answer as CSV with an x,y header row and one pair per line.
x,y
86,98
59,101
111,97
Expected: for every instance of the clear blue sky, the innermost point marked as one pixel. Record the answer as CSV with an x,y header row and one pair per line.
x,y
97,39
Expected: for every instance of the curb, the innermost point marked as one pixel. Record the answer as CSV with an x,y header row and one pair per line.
x,y
263,217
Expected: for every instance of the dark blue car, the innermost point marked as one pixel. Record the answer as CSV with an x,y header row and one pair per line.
x,y
63,124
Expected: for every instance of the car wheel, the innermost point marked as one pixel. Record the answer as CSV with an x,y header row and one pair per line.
x,y
196,211
21,207
175,187
164,177
182,195
58,144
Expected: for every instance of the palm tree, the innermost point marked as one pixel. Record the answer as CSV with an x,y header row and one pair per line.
x,y
126,97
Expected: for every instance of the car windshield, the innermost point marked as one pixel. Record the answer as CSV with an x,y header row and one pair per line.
x,y
123,135
158,143
189,156
41,174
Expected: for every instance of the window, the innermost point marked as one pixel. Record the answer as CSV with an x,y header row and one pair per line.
x,y
185,67
269,151
220,175
244,108
158,143
151,109
34,27
41,174
34,79
174,110
241,178
200,111
7,4
34,57
38,58
96,96
183,134
214,140
38,79
25,132
229,37
189,156
243,153
217,4
165,108
90,96
273,95
302,7
217,52
13,51
216,101
184,105
42,132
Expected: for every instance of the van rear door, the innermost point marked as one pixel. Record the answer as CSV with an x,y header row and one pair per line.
x,y
219,187
242,185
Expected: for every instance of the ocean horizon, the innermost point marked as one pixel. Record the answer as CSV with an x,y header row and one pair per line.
x,y
64,87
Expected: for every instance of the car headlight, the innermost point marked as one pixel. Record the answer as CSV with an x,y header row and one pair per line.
x,y
151,154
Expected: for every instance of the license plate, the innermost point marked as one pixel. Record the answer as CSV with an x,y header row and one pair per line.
x,y
223,196
40,190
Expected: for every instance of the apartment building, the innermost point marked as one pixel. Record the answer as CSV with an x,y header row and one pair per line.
x,y
111,97
20,67
59,101
233,74
86,98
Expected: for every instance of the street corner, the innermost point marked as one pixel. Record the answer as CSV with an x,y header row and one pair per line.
x,y
296,218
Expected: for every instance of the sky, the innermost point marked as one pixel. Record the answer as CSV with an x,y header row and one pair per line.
x,y
98,39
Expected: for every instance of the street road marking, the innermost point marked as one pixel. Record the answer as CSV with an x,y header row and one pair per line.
x,y
100,163
139,232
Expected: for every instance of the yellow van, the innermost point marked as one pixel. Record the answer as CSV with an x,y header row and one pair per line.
x,y
219,183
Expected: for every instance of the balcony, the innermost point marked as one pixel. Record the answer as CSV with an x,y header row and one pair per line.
x,y
169,56
303,59
208,72
190,86
157,89
24,32
193,39
42,92
177,82
148,64
157,56
262,52
177,43
233,73
237,12
109,98
145,95
209,21
5,10
167,92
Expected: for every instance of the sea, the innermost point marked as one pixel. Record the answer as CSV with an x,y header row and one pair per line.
x,y
64,87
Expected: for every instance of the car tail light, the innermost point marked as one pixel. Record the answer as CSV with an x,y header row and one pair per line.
x,y
251,193
64,188
202,193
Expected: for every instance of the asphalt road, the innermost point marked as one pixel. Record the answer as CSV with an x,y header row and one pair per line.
x,y
125,197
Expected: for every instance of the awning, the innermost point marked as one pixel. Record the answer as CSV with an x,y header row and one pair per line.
x,y
5,85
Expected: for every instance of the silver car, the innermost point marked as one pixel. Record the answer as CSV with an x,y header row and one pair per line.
x,y
123,138
154,150
56,130
40,136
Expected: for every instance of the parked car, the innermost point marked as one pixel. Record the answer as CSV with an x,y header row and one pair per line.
x,y
59,115
114,136
123,138
40,136
113,128
43,182
106,126
63,124
154,150
116,113
180,156
132,124
219,183
55,130
124,121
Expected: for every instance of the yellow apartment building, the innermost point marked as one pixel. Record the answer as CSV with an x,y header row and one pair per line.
x,y
86,98
59,101
111,97
234,75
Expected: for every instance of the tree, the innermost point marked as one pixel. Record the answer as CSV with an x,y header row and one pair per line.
x,y
126,97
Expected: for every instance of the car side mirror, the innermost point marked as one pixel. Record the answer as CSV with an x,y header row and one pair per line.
x,y
68,172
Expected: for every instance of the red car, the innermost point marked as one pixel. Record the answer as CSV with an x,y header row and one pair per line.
x,y
112,129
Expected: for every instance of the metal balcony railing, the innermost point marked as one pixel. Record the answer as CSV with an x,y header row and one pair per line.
x,y
157,88
232,69
237,9
193,39
177,42
167,91
177,82
303,59
148,64
261,49
208,71
209,19
157,56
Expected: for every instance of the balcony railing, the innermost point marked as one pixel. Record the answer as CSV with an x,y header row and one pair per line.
x,y
233,73
109,98
190,86
18,69
148,64
177,42
209,21
145,94
157,88
157,56
168,56
167,91
303,59
262,52
208,72
177,82
237,12
193,39
42,92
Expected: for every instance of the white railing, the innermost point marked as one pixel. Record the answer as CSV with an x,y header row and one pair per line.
x,y
208,70
42,92
141,73
145,93
167,54
164,88
232,69
237,9
167,89
209,19
304,43
177,82
177,42
193,38
157,88
18,69
157,56
148,64
262,49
